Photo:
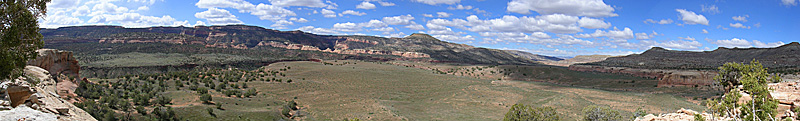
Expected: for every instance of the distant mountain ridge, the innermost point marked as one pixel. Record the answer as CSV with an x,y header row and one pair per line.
x,y
416,46
785,58
577,59
534,57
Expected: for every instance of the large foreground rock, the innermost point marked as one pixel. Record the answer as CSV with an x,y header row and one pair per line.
x,y
56,62
33,97
63,66
681,115
25,113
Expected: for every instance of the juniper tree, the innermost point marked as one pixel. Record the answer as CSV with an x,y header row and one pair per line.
x,y
19,34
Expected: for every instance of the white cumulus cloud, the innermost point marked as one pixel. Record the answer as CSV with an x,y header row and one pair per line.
x,y
328,13
591,23
434,2
443,14
591,8
218,17
263,11
351,12
690,17
739,25
365,5
625,33
306,3
789,2
741,18
662,21
399,20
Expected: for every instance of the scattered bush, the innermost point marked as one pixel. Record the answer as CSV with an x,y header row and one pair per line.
x,y
698,117
202,90
521,112
639,113
601,113
211,112
754,78
206,98
285,111
163,100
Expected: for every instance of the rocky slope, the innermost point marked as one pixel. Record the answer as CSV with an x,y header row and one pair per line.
x,y
533,57
62,66
413,47
666,77
33,97
783,59
787,94
56,62
42,95
687,68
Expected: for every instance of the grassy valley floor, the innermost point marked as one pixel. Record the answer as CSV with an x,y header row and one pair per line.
x,y
371,91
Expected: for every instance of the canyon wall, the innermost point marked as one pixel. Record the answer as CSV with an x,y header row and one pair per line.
x,y
343,50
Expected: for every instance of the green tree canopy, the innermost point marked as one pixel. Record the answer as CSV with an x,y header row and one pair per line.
x,y
521,112
753,78
19,30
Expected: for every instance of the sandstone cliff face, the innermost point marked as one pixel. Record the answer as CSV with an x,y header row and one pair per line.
x,y
666,77
343,49
59,63
33,97
56,62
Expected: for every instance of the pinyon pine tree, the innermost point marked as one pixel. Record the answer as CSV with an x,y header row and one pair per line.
x,y
19,34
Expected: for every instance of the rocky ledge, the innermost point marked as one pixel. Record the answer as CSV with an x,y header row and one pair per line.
x,y
33,97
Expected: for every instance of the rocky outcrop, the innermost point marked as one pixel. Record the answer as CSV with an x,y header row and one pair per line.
x,y
34,97
533,57
56,62
665,77
59,63
140,40
788,96
681,115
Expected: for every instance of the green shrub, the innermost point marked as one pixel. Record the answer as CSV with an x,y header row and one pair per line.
x,y
521,112
601,113
141,110
211,112
698,117
285,111
206,98
292,104
202,90
639,112
753,78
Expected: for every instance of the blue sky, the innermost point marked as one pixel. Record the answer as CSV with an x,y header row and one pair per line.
x,y
548,27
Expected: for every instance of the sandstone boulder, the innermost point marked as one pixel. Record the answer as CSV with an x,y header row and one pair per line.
x,y
56,62
681,115
33,97
24,113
